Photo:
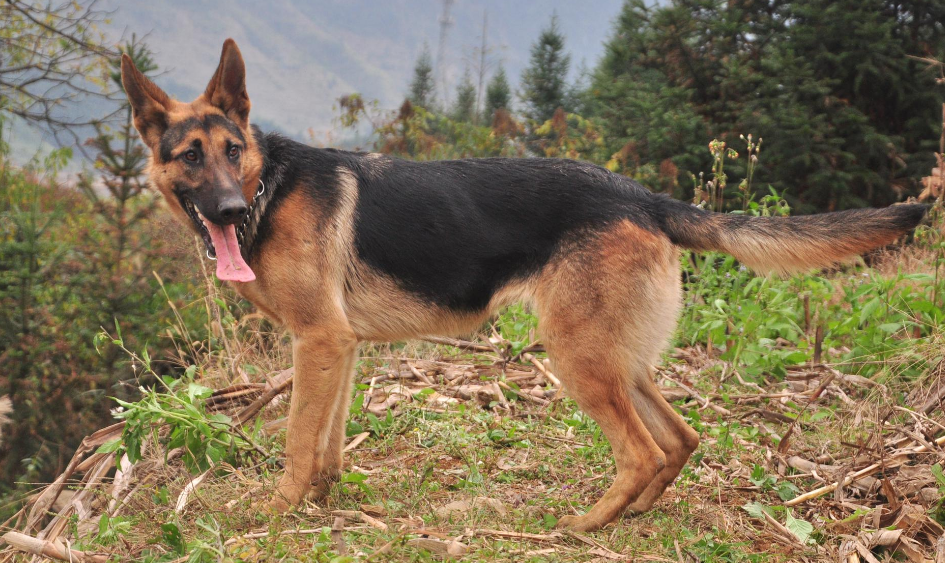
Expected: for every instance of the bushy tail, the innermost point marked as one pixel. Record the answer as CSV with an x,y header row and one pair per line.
x,y
788,244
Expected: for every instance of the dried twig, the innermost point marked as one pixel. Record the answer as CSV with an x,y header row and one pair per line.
x,y
786,437
419,374
188,489
281,382
892,461
361,516
542,369
457,343
52,549
265,534
356,441
706,404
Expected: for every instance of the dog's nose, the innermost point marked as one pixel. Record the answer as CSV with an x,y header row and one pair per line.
x,y
232,211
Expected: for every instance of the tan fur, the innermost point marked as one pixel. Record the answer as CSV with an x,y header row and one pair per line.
x,y
605,314
796,256
299,282
786,245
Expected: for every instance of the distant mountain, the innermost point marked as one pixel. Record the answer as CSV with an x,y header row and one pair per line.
x,y
301,55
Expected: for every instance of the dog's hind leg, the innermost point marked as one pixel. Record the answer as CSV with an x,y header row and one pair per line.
x,y
676,438
597,383
606,310
324,357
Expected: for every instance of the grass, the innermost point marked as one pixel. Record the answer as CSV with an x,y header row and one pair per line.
x,y
485,456
514,466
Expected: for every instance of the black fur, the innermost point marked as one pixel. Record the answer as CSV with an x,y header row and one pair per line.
x,y
456,231
453,232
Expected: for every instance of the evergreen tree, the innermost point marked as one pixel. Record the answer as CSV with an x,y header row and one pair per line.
x,y
464,108
848,119
498,94
121,160
544,82
423,88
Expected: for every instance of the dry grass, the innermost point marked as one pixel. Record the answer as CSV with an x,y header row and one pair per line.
x,y
6,407
480,454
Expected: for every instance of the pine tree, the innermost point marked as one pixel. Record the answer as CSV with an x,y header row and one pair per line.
x,y
125,250
544,82
646,118
464,108
122,160
498,94
847,118
423,88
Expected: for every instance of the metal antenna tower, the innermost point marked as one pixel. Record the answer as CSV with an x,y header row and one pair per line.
x,y
446,22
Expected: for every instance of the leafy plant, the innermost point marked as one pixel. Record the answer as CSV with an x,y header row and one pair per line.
x,y
175,417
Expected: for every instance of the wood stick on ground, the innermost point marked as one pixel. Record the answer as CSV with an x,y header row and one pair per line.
x,y
386,548
51,493
51,549
554,536
499,397
80,503
525,396
369,396
361,516
599,549
542,369
890,462
785,440
257,535
457,343
338,534
915,415
419,374
280,383
705,402
356,441
782,531
120,483
188,489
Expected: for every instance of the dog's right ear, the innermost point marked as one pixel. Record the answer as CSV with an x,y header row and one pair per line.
x,y
149,104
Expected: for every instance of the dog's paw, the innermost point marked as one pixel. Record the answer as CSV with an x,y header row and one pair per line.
x,y
274,506
318,491
584,523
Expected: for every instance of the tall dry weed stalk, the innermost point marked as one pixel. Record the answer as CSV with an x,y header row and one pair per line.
x,y
6,408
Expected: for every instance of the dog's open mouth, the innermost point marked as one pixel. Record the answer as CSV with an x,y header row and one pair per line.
x,y
223,242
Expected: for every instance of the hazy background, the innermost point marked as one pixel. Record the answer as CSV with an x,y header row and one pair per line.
x,y
301,55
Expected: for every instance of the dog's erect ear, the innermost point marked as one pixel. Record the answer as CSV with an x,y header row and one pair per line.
x,y
227,88
149,104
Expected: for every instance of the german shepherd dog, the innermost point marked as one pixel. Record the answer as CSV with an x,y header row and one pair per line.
x,y
343,247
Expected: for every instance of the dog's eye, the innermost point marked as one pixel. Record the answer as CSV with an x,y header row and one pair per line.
x,y
190,156
234,151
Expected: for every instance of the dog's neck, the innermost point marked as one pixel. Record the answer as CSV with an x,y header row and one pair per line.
x,y
269,182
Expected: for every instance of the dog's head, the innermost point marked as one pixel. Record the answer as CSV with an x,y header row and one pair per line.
x,y
204,158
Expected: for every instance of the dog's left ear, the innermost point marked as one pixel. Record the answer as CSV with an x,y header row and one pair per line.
x,y
227,88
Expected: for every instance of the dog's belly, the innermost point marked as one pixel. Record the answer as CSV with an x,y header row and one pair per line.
x,y
379,309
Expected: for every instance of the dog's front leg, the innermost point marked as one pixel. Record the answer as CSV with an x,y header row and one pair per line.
x,y
324,358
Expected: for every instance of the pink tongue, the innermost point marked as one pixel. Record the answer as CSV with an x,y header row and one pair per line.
x,y
230,264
